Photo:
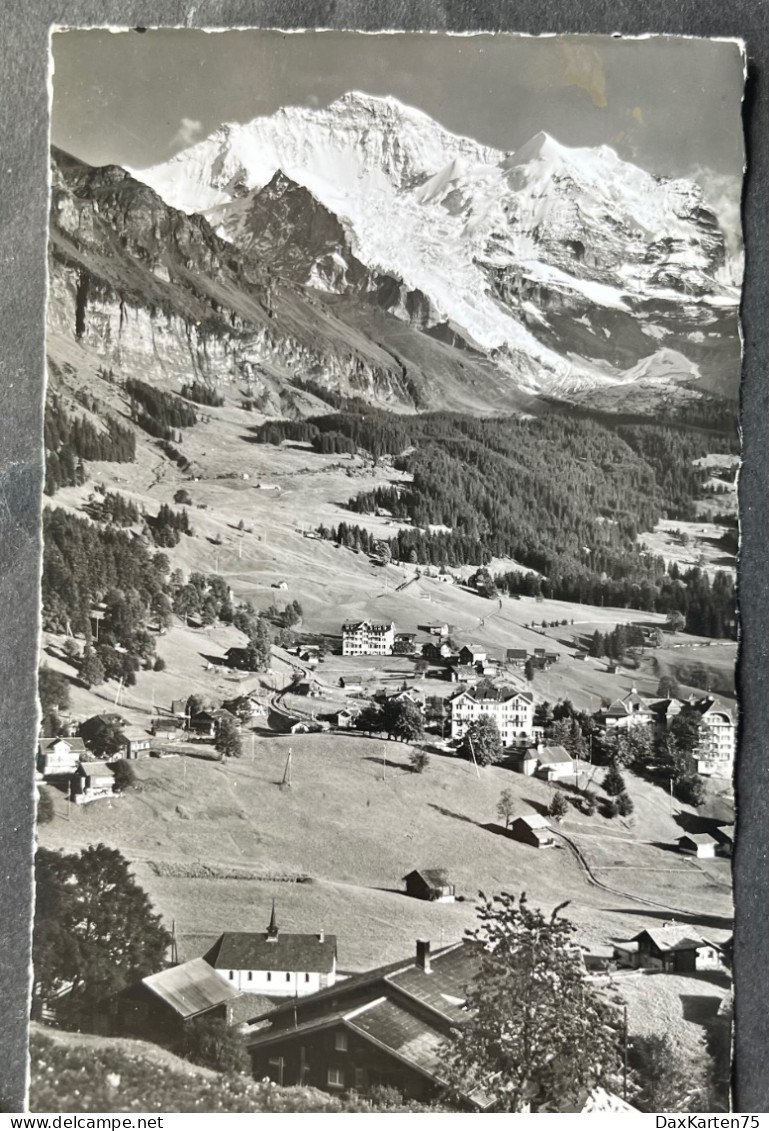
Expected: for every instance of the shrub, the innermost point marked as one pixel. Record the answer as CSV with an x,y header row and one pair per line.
x,y
159,665
610,808
420,760
558,805
613,782
625,805
589,804
123,773
690,789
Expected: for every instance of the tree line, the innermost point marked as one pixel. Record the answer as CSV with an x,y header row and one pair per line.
x,y
70,439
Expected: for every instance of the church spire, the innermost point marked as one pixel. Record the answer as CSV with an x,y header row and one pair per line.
x,y
272,930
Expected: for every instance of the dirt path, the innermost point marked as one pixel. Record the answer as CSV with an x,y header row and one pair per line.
x,y
593,879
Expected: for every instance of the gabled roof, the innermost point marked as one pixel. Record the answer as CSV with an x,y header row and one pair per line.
x,y
673,938
96,769
409,1013
701,838
190,988
433,877
533,820
253,950
76,745
551,755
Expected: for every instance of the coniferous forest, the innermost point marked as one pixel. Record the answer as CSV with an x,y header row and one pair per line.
x,y
565,496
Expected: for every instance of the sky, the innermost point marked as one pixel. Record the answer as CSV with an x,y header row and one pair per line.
x,y
671,105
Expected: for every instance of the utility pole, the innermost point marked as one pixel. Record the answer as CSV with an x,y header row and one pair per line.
x,y
384,763
624,1056
287,770
475,761
252,748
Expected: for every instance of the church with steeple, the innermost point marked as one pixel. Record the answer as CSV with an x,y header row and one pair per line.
x,y
275,963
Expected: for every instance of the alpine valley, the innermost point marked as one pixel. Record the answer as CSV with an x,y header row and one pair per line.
x,y
366,248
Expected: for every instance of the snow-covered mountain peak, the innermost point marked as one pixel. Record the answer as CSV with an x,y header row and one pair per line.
x,y
501,247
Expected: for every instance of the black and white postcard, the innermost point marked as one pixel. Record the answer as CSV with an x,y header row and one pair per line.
x,y
388,720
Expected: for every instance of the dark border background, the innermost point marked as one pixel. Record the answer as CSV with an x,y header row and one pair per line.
x,y
23,219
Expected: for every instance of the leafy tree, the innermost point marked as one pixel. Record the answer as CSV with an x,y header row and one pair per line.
x,y
209,1041
668,687
94,927
611,808
676,621
183,497
258,649
102,736
589,804
538,1033
483,740
53,692
370,719
91,669
70,649
690,788
529,669
227,741
123,774
613,782
506,806
197,703
403,719
633,746
662,1072
685,729
419,759
159,665
559,806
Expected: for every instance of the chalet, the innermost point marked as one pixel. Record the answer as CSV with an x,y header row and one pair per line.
x,y
554,763
405,641
344,719
138,742
279,585
238,658
516,657
462,673
92,780
160,1006
513,712
436,653
431,884
383,1028
525,761
435,628
472,654
206,724
412,694
59,757
633,710
705,845
245,707
364,638
308,687
672,949
273,963
533,830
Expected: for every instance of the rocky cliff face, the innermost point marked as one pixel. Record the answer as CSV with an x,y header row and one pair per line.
x,y
495,250
156,292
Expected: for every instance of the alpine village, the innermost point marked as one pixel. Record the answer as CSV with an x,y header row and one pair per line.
x,y
388,718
